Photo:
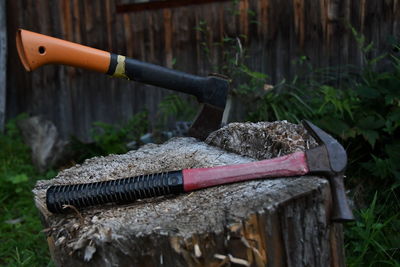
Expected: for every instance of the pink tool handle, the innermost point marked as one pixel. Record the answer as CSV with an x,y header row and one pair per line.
x,y
290,165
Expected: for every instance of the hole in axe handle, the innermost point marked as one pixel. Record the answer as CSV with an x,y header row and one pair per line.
x,y
42,50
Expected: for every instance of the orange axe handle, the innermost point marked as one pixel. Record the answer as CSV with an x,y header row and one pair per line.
x,y
36,50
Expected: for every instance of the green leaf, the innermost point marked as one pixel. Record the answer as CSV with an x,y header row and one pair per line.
x,y
367,92
379,167
393,151
371,122
302,102
173,61
254,74
227,39
18,189
367,48
335,126
18,179
350,133
394,115
370,136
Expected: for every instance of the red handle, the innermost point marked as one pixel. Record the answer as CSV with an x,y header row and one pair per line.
x,y
290,165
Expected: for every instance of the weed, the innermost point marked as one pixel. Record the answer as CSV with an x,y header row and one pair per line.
x,y
363,113
21,242
371,240
111,139
175,107
359,107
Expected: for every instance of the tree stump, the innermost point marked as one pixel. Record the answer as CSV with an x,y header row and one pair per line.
x,y
271,222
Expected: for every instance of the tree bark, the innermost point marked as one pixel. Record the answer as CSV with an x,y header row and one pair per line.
x,y
268,222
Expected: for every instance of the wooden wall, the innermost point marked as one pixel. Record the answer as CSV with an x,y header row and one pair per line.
x,y
3,63
278,32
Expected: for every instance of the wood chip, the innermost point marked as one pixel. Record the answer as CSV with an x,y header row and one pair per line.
x,y
197,251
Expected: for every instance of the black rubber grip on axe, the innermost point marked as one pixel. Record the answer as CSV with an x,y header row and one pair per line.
x,y
120,191
211,90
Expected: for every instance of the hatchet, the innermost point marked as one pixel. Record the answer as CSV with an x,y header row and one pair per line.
x,y
329,159
36,50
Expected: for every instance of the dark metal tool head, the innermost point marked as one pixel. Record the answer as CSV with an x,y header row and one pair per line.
x,y
213,101
210,91
208,119
330,159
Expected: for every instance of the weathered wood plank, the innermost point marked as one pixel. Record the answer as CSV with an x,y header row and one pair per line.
x,y
3,63
278,32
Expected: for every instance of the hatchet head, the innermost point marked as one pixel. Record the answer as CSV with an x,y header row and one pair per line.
x,y
330,159
36,49
212,106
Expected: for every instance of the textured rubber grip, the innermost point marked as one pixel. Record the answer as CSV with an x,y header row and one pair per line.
x,y
119,191
211,90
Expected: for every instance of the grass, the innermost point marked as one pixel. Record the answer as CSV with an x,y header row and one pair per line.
x,y
373,240
363,114
21,240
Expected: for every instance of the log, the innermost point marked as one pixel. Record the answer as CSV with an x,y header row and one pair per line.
x,y
266,222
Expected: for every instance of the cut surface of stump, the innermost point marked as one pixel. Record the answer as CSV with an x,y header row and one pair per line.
x,y
265,222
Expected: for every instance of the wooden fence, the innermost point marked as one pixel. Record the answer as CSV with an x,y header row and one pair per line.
x,y
277,32
3,62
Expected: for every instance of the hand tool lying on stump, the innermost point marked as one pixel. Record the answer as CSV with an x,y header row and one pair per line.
x,y
327,159
36,50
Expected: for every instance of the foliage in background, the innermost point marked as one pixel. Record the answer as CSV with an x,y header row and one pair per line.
x,y
373,240
175,107
232,58
21,240
359,107
111,139
363,112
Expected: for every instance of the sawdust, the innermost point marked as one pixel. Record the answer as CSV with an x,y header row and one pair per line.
x,y
262,140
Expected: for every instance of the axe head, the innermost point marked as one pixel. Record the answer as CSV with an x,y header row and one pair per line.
x,y
213,101
207,120
330,157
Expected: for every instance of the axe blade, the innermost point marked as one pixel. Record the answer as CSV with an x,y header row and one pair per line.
x,y
207,120
211,91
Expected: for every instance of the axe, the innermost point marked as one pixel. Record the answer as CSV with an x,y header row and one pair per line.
x,y
35,50
329,159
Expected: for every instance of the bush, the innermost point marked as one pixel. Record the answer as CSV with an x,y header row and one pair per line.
x,y
361,108
21,240
363,112
111,139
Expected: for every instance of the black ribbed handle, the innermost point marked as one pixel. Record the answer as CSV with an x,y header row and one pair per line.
x,y
119,191
211,90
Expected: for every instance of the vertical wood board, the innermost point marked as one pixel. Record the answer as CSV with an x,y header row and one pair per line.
x,y
3,63
275,34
